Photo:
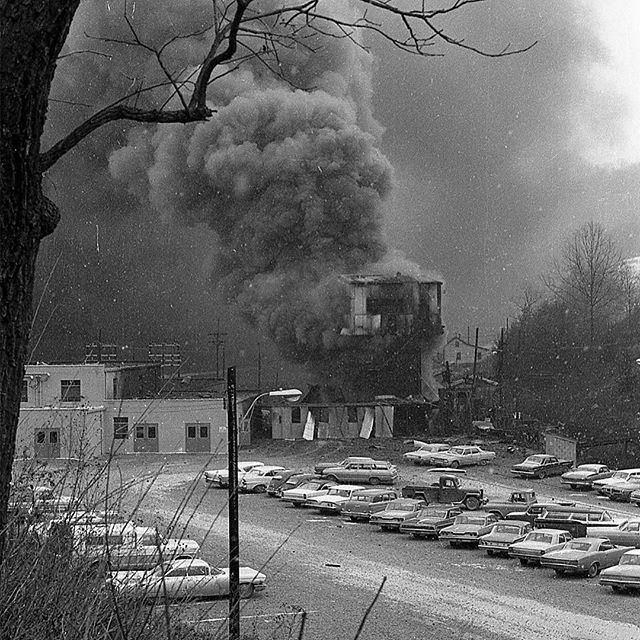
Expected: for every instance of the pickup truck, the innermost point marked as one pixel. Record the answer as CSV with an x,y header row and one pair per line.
x,y
446,489
517,502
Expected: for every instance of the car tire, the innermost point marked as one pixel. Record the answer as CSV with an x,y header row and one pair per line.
x,y
617,588
261,488
454,543
332,478
559,572
472,503
541,475
246,590
593,570
497,514
417,536
484,463
524,562
489,552
574,487
296,505
374,481
454,464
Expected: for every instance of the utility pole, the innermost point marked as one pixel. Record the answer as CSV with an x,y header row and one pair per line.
x,y
234,529
259,368
216,339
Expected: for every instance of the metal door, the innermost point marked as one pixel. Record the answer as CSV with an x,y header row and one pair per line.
x,y
145,438
47,443
197,437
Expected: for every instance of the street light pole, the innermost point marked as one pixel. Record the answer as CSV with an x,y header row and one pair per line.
x,y
234,519
234,533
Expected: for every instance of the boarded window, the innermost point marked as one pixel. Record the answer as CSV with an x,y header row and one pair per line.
x,y
120,428
295,415
70,390
352,414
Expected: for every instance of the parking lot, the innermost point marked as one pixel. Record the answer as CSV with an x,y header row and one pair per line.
x,y
332,569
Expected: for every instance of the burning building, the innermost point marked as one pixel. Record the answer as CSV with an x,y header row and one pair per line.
x,y
394,325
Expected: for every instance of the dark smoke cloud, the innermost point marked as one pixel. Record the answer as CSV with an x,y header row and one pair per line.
x,y
488,177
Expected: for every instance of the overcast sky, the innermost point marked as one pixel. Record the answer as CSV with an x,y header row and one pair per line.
x,y
495,162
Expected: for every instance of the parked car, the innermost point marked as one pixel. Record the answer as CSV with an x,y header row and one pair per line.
x,y
425,451
622,475
369,472
299,495
463,455
431,520
333,500
503,533
577,518
397,512
321,466
584,555
621,491
276,488
624,575
445,489
257,479
626,533
536,509
367,502
185,580
280,478
584,475
540,466
537,543
220,477
467,528
517,502
634,498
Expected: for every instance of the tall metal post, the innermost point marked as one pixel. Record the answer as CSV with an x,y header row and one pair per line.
x,y
234,536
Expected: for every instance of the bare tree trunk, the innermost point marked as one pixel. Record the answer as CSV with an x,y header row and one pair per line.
x,y
31,36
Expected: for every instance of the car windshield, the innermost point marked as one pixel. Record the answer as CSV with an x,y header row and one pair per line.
x,y
630,558
620,475
455,450
310,485
434,513
578,546
338,491
537,536
464,519
506,528
534,460
405,505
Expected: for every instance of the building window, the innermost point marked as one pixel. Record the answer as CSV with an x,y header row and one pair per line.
x,y
352,414
458,356
140,431
25,391
191,431
70,390
295,414
120,428
152,431
204,430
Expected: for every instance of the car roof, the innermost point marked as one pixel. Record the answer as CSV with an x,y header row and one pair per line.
x,y
522,523
446,470
188,562
354,487
632,552
550,530
575,509
376,491
591,540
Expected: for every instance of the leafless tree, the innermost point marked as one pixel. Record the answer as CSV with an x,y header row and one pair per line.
x,y
630,284
587,276
32,39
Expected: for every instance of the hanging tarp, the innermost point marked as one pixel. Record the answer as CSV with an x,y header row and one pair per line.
x,y
309,427
367,423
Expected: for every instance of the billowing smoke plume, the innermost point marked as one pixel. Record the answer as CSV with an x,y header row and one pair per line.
x,y
287,180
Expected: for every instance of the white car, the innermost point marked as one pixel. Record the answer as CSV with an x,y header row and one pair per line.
x,y
425,451
334,499
536,543
623,475
299,495
220,477
258,478
184,580
462,455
